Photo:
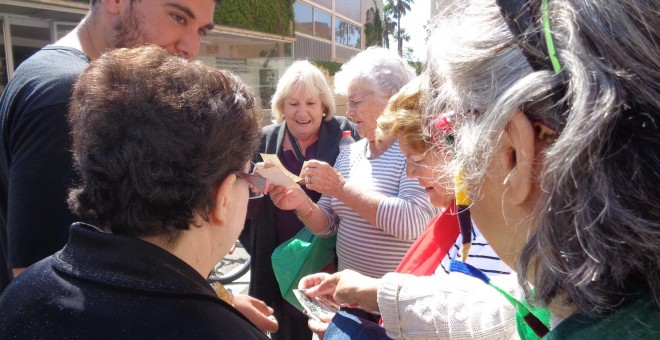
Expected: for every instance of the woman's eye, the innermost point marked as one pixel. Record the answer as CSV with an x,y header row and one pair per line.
x,y
417,161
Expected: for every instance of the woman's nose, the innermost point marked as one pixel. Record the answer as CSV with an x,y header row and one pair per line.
x,y
350,112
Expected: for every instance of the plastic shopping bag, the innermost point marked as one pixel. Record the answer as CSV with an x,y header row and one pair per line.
x,y
302,255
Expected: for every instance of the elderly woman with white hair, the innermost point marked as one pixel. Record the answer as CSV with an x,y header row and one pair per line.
x,y
375,210
304,128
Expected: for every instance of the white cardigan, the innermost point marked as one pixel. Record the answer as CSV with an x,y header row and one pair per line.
x,y
454,306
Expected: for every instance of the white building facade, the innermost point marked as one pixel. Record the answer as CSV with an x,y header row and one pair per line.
x,y
331,30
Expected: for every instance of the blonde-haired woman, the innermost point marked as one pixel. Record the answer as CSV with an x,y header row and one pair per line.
x,y
304,128
422,289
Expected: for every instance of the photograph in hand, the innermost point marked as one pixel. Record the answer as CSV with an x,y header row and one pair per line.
x,y
316,307
272,169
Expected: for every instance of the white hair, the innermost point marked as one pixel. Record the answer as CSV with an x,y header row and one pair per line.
x,y
305,77
379,69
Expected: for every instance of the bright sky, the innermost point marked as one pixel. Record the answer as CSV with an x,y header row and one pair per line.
x,y
413,22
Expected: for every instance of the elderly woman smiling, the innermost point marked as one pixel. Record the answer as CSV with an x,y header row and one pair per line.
x,y
305,128
376,211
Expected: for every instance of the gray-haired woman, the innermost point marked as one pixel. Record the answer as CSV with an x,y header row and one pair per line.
x,y
561,150
376,211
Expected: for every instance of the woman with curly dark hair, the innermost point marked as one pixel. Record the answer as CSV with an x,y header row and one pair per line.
x,y
161,145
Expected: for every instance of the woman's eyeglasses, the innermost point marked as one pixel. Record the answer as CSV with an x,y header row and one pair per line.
x,y
258,186
353,103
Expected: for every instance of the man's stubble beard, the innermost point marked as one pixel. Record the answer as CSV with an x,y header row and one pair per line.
x,y
128,31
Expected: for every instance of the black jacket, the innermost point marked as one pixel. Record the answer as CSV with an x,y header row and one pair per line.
x,y
104,286
260,235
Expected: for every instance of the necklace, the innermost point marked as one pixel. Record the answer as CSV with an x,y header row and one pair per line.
x,y
296,147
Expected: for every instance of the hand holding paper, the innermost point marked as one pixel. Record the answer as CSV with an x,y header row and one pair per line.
x,y
272,169
316,308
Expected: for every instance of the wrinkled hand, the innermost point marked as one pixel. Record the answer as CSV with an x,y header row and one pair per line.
x,y
350,288
312,282
319,327
322,177
257,312
287,198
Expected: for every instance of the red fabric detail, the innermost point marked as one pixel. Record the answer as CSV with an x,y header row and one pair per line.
x,y
425,255
443,124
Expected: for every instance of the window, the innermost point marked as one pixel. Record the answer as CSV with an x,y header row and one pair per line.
x,y
340,32
348,34
28,36
62,29
349,8
354,36
326,3
322,24
303,17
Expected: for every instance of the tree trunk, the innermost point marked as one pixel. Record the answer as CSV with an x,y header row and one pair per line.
x,y
398,28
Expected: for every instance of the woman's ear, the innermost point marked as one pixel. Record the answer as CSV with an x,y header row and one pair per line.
x,y
519,135
220,210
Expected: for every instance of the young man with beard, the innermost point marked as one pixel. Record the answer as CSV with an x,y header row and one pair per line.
x,y
35,158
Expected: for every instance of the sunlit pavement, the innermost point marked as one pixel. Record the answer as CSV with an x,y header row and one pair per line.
x,y
240,285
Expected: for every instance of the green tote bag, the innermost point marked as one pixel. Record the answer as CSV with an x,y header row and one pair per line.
x,y
302,255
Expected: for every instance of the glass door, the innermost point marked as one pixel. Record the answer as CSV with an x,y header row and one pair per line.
x,y
60,29
3,57
27,37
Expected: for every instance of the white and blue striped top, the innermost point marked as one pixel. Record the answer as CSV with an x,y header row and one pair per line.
x,y
401,216
481,256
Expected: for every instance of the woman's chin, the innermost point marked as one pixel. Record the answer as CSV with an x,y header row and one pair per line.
x,y
305,131
440,202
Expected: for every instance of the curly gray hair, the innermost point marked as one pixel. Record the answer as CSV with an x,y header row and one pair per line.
x,y
376,68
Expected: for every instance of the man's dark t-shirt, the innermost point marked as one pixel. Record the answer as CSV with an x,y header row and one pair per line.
x,y
36,168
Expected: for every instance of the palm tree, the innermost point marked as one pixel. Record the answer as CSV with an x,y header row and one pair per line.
x,y
402,8
389,26
402,35
395,9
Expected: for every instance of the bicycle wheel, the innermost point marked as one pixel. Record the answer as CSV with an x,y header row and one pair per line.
x,y
232,267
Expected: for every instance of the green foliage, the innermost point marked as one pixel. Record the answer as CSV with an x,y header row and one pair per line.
x,y
417,65
268,76
394,10
373,28
272,16
331,66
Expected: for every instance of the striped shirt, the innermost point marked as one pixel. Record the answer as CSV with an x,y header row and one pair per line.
x,y
401,216
481,256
